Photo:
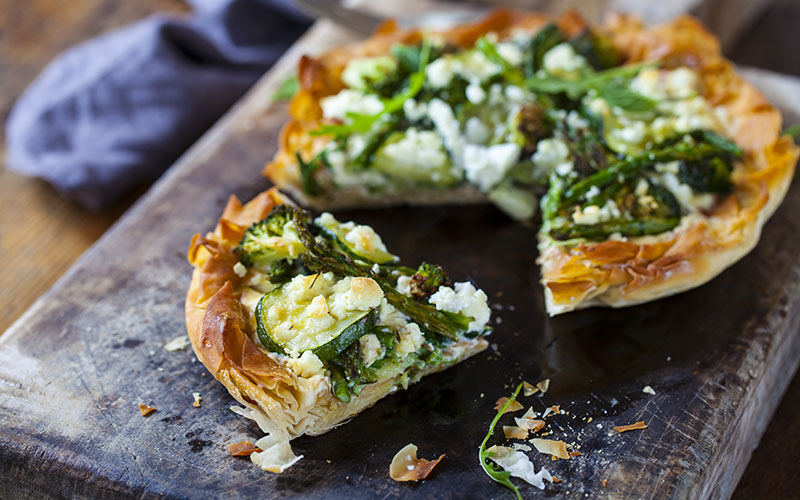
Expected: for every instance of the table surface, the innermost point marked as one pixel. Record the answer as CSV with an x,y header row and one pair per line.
x,y
41,234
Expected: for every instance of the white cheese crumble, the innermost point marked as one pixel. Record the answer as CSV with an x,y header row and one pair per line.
x,y
465,299
359,70
239,270
414,110
423,150
404,285
307,365
562,61
475,93
449,129
486,166
471,65
370,349
594,214
411,339
476,132
648,390
350,101
552,154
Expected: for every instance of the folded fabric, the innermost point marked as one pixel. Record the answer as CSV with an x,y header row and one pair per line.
x,y
116,111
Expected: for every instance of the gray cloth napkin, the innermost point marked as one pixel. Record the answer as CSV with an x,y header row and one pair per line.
x,y
116,111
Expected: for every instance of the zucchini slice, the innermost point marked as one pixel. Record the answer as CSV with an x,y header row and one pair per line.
x,y
283,326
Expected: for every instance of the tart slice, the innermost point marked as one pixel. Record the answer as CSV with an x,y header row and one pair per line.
x,y
652,165
307,321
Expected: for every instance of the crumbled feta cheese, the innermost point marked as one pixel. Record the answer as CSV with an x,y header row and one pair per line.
x,y
390,315
551,154
471,65
360,70
514,94
404,285
463,299
594,214
475,93
446,123
414,110
647,83
370,349
592,192
641,187
563,61
350,101
240,270
476,132
510,52
683,192
411,339
198,399
365,240
682,83
576,122
648,390
364,294
486,166
307,365
417,149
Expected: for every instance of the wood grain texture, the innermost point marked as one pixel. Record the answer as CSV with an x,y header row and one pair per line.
x,y
41,233
75,367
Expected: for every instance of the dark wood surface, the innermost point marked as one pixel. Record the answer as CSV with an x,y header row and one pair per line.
x,y
76,365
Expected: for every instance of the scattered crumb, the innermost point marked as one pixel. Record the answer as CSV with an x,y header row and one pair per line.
x,y
605,482
556,409
648,390
575,453
146,410
520,447
599,426
514,432
406,466
631,427
528,389
514,406
177,344
197,399
544,385
243,449
556,480
328,461
558,449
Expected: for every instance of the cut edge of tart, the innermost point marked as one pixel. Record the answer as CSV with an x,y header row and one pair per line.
x,y
655,257
314,346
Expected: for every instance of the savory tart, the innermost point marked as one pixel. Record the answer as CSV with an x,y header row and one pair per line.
x,y
307,321
650,163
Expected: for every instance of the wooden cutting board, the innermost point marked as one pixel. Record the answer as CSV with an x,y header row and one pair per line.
x,y
75,367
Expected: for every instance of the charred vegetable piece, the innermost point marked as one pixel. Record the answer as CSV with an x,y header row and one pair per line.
x,y
428,279
271,240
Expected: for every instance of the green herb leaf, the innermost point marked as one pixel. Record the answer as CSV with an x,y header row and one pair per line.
x,y
307,170
360,123
510,72
576,88
287,89
497,474
617,94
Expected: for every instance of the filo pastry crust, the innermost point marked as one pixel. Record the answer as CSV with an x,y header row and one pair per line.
x,y
222,336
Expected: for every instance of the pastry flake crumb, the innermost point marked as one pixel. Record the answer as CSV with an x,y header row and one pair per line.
x,y
514,406
544,385
243,449
631,427
198,399
514,432
648,390
556,480
528,389
605,482
558,449
177,344
146,410
406,466
575,453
